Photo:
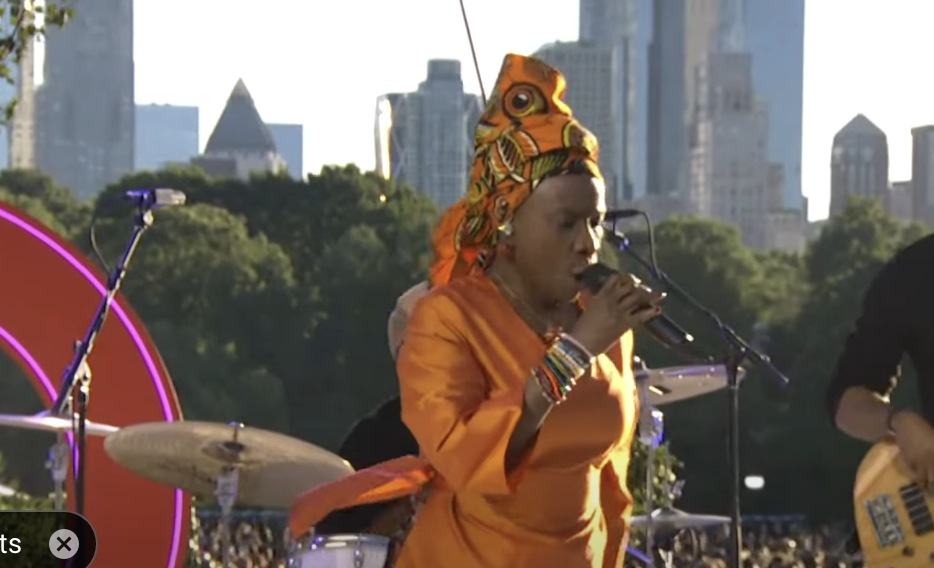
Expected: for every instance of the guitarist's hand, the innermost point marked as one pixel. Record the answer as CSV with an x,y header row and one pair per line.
x,y
915,439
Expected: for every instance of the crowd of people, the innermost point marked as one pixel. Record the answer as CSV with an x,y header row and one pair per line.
x,y
259,541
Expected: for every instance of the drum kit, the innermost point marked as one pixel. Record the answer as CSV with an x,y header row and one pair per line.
x,y
657,388
238,465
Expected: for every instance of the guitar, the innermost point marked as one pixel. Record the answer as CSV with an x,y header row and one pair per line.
x,y
893,515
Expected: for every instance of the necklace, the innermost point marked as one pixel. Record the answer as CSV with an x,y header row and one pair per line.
x,y
546,327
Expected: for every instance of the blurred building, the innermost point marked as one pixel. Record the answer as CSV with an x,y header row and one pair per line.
x,y
290,143
683,33
390,134
241,143
589,70
899,201
625,27
922,174
165,134
859,163
85,119
731,177
424,139
774,35
21,136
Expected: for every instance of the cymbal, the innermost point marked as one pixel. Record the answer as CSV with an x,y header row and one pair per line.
x,y
274,468
674,384
57,424
669,518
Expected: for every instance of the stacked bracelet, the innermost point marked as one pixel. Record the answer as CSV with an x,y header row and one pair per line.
x,y
566,361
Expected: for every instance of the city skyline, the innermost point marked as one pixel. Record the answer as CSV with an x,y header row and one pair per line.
x,y
837,72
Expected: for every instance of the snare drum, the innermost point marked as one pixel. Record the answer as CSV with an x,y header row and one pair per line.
x,y
341,551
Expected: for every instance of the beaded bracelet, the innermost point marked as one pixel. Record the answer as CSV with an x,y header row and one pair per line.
x,y
565,362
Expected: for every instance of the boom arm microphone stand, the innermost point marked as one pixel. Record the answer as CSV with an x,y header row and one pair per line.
x,y
75,391
737,352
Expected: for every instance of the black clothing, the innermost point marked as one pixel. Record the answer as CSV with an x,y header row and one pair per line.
x,y
897,318
379,437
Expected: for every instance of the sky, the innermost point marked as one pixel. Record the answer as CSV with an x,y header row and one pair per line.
x,y
324,63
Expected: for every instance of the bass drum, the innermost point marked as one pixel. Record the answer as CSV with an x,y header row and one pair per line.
x,y
341,551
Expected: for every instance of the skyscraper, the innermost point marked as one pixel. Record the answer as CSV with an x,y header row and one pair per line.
x,y
731,178
22,134
240,143
390,135
922,174
165,134
290,143
859,163
589,70
684,33
614,26
85,133
434,160
775,38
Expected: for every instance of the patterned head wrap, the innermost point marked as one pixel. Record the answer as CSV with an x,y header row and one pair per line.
x,y
525,135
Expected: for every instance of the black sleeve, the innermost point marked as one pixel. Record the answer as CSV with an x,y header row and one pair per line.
x,y
873,350
375,439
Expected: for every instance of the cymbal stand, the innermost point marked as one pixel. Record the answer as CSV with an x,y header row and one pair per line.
x,y
227,488
57,464
226,494
651,433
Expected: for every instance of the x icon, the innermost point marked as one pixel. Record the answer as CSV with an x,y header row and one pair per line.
x,y
63,543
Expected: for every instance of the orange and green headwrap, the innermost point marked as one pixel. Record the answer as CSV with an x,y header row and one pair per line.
x,y
525,135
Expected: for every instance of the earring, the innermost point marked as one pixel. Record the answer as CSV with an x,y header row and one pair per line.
x,y
506,250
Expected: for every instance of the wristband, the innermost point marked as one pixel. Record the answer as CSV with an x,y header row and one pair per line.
x,y
565,362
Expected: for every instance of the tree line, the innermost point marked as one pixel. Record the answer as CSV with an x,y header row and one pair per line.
x,y
268,300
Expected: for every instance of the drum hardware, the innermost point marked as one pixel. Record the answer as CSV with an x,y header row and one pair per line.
x,y
272,468
674,384
57,462
665,522
226,491
340,551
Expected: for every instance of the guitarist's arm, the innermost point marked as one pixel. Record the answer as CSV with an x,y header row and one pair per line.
x,y
868,370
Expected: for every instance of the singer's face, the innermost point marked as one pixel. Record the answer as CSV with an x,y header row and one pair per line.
x,y
557,234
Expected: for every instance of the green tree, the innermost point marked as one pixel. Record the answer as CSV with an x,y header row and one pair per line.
x,y
354,243
812,466
56,206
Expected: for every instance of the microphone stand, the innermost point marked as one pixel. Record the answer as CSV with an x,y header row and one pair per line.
x,y
75,391
737,352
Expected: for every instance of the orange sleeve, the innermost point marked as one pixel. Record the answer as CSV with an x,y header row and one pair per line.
x,y
616,502
615,497
461,428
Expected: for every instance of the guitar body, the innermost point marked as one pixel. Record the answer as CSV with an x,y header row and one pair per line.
x,y
893,516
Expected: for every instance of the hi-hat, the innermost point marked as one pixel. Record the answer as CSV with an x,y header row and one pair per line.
x,y
671,519
57,424
674,384
274,468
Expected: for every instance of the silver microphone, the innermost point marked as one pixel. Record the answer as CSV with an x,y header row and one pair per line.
x,y
156,198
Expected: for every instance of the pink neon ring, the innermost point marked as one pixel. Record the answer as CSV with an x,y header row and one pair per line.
x,y
134,334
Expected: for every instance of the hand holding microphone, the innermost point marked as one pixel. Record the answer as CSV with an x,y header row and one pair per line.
x,y
641,303
619,304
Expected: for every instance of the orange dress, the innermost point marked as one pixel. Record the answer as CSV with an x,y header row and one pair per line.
x,y
462,372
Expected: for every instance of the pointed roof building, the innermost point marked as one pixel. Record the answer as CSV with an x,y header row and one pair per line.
x,y
240,128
